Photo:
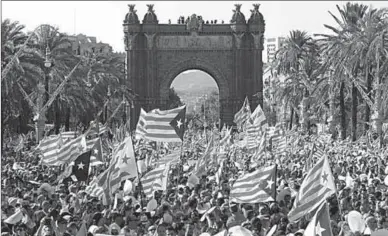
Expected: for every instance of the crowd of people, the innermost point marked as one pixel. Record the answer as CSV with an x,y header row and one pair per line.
x,y
35,202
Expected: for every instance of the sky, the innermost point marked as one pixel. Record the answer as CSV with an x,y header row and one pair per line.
x,y
104,19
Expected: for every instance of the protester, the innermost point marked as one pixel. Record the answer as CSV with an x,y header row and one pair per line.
x,y
36,202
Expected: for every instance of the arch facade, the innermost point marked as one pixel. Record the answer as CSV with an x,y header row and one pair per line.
x,y
230,53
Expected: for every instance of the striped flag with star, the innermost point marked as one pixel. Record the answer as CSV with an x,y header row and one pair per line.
x,y
81,166
122,167
96,157
165,126
316,187
243,114
320,223
258,186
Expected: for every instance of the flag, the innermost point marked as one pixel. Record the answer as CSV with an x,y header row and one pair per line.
x,y
320,223
258,186
81,166
260,151
316,187
141,124
96,129
165,126
49,146
96,157
227,137
252,134
172,158
68,135
243,114
206,161
14,218
258,119
279,145
68,152
124,164
154,179
122,167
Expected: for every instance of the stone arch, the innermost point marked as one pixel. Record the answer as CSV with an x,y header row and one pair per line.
x,y
193,64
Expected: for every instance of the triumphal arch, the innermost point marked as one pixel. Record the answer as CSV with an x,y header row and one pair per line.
x,y
230,52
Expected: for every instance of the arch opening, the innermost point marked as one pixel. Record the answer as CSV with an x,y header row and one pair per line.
x,y
199,91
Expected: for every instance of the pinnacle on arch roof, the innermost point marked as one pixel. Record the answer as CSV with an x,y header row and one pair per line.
x,y
131,17
256,16
238,17
150,17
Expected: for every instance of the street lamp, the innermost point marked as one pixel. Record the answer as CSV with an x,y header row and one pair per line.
x,y
47,62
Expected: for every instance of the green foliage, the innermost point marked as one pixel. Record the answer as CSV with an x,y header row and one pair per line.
x,y
174,100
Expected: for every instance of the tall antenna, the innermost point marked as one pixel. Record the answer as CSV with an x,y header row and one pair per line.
x,y
75,21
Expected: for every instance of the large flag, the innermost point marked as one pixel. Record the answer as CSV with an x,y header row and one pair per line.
x,y
124,162
65,154
320,223
49,145
258,186
243,114
122,167
165,126
317,186
55,156
81,166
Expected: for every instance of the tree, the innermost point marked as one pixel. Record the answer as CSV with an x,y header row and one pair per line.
x,y
298,60
174,100
352,55
22,72
50,44
103,79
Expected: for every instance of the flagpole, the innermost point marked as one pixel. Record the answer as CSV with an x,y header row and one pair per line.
x,y
276,180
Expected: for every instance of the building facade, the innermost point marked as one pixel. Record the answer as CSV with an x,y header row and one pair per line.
x,y
82,45
272,45
230,53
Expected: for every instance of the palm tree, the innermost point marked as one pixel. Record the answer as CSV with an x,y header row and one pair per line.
x,y
376,40
105,82
298,59
342,50
347,49
22,72
51,44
